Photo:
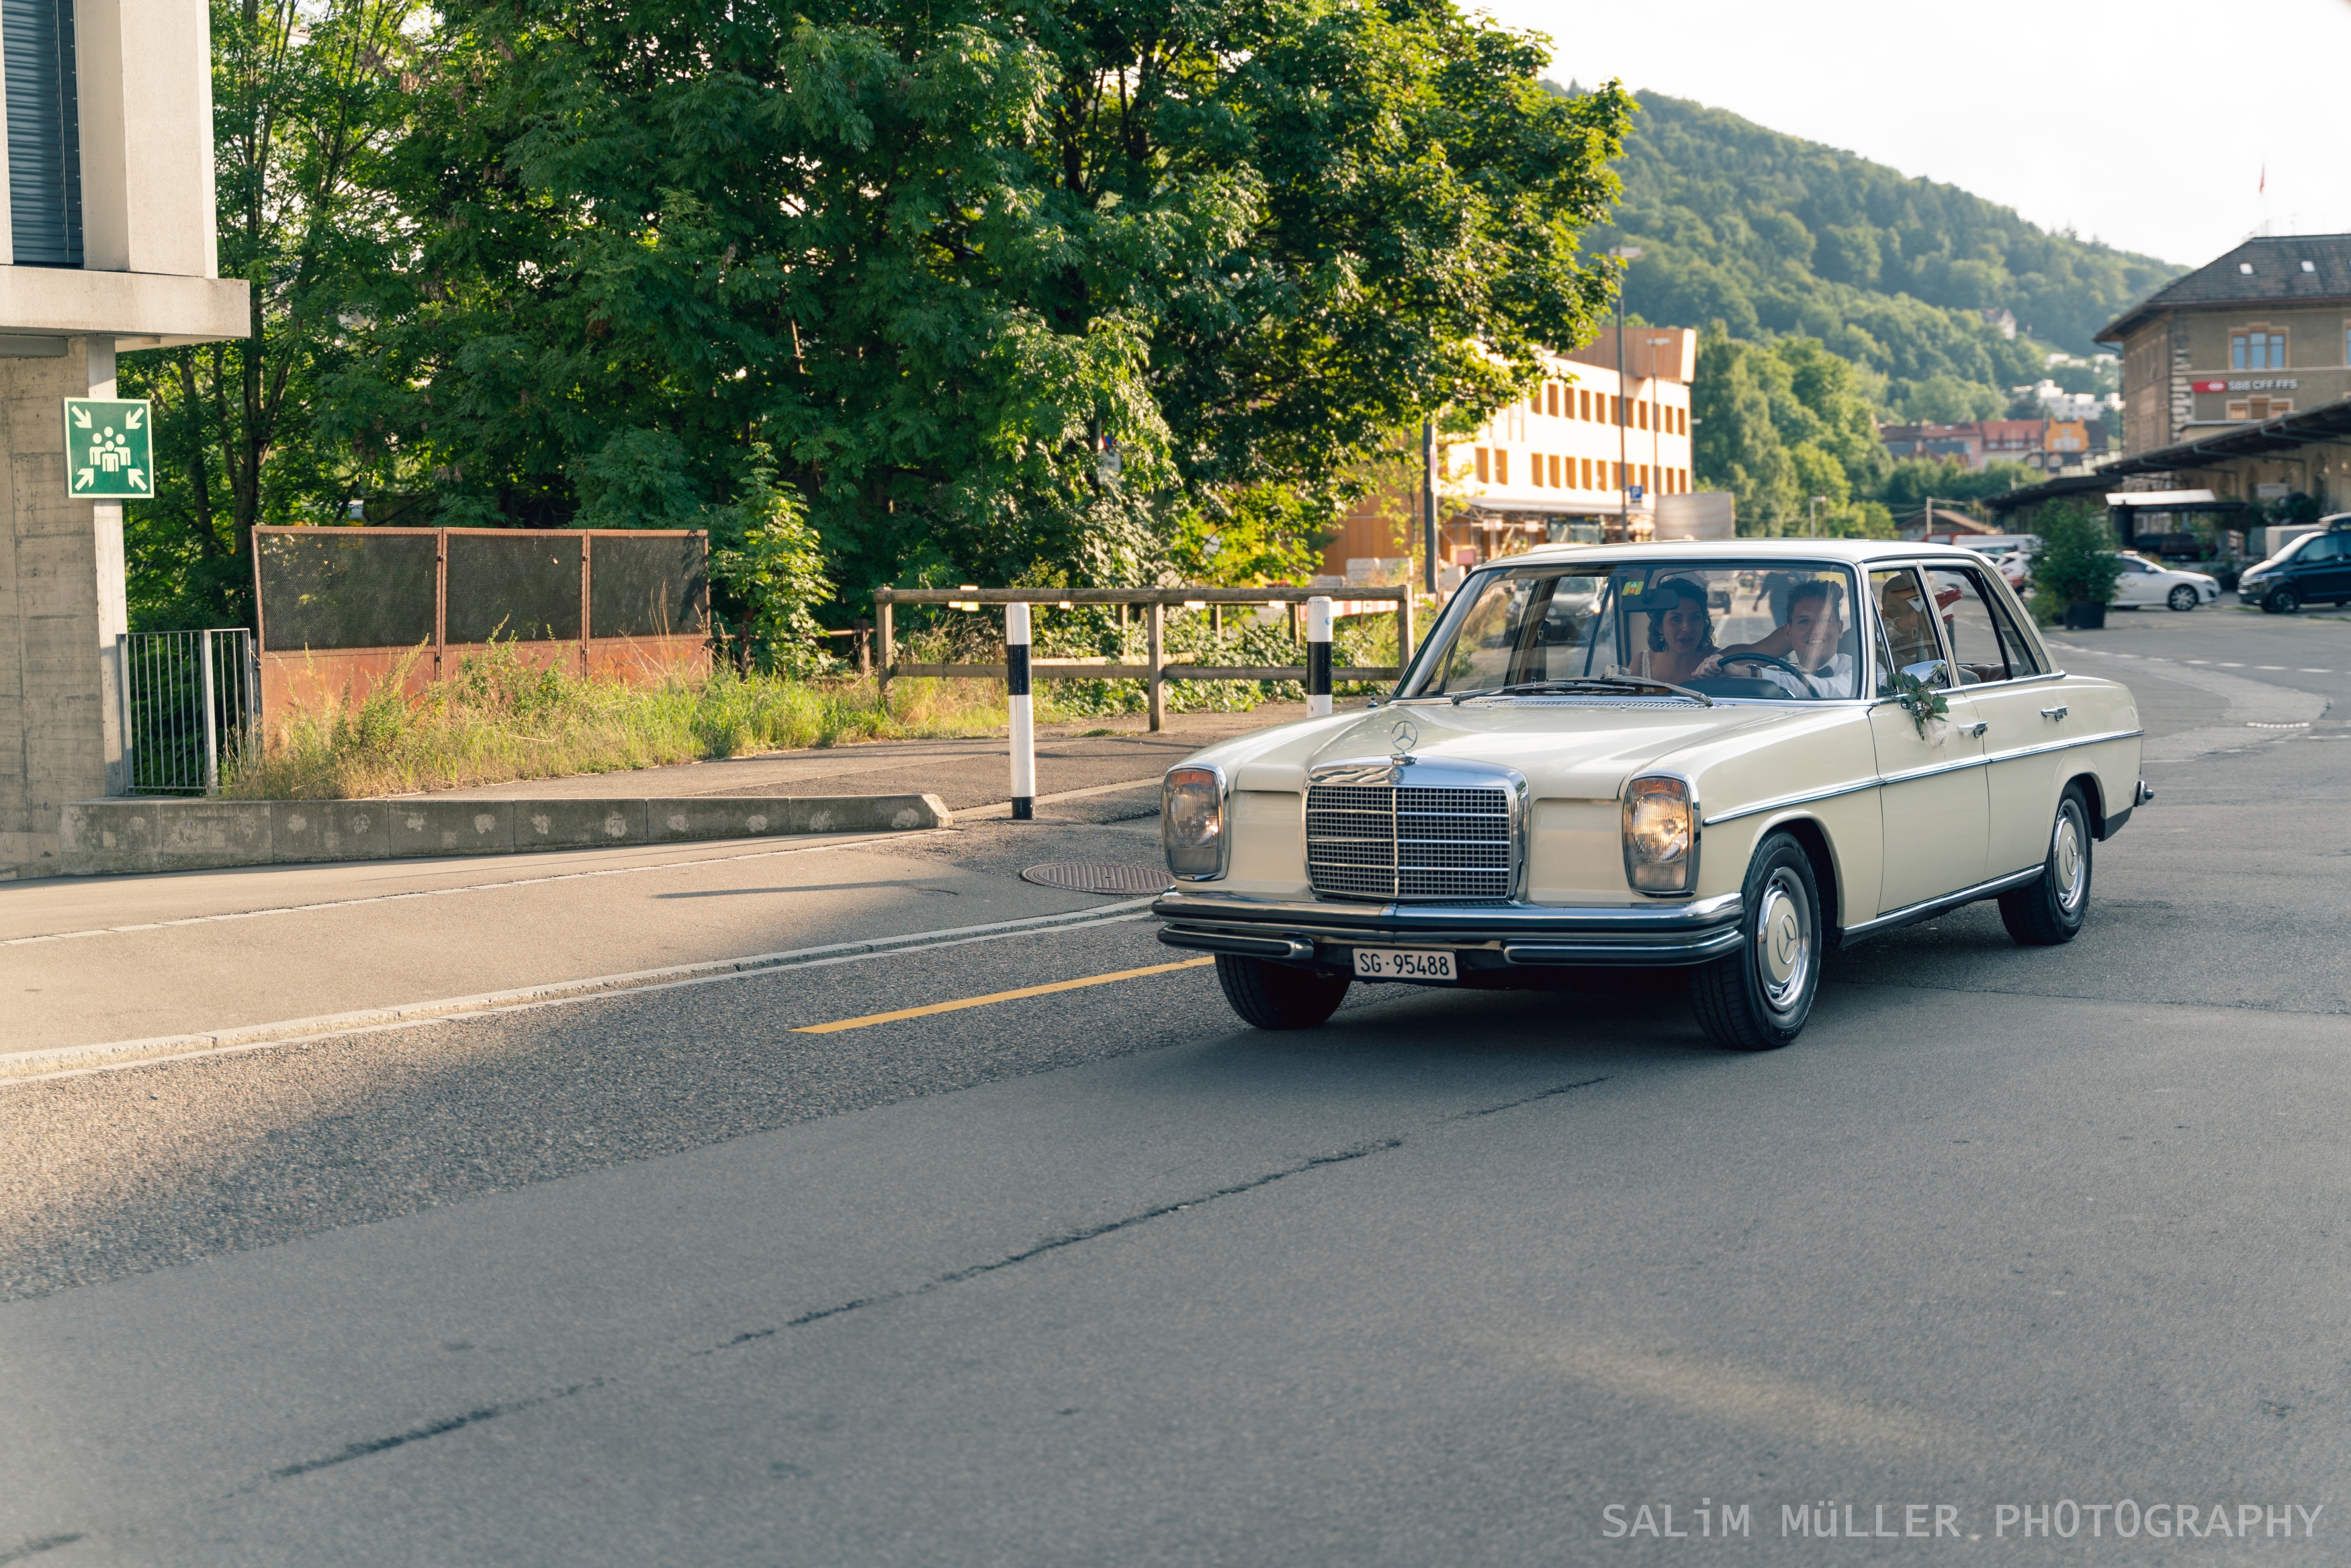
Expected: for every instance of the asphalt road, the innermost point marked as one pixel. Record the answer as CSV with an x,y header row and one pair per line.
x,y
1093,1275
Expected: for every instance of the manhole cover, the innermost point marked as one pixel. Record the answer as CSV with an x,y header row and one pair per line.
x,y
1099,877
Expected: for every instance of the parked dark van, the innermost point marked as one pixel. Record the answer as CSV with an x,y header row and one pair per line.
x,y
2316,566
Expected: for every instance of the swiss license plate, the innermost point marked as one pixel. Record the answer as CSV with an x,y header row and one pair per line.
x,y
1403,963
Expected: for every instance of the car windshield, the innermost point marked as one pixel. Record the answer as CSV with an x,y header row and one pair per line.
x,y
1764,631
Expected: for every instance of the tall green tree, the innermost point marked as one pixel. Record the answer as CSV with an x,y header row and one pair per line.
x,y
1779,424
307,97
1001,288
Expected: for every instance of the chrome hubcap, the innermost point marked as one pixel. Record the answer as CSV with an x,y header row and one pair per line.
x,y
1783,940
2069,866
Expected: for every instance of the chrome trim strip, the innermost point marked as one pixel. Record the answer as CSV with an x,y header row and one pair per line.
x,y
1991,757
1290,949
1927,772
1805,798
1926,906
2062,745
1809,796
1201,908
1651,953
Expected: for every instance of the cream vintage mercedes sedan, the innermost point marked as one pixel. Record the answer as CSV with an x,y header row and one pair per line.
x,y
1731,756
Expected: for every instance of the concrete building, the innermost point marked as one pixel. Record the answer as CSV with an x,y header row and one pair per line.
x,y
1585,457
2261,332
108,241
2236,400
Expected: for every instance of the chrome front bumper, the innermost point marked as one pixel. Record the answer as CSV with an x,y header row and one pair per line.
x,y
1484,936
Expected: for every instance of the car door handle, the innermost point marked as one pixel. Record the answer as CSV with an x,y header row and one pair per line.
x,y
2059,711
1976,729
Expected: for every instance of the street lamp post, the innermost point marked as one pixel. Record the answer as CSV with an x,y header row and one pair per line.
x,y
1813,528
1627,255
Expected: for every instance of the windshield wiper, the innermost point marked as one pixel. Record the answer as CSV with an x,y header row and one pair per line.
x,y
1588,683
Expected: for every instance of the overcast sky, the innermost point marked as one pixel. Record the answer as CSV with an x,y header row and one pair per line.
x,y
2146,124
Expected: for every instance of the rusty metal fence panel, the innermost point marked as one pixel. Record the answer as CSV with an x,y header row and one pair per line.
x,y
332,588
345,610
191,703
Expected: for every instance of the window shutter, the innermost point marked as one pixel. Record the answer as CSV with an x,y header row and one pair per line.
x,y
36,41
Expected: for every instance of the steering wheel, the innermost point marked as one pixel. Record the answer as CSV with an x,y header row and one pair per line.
x,y
1730,658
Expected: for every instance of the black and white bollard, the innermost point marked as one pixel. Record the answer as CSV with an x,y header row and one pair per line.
x,y
1024,723
1318,657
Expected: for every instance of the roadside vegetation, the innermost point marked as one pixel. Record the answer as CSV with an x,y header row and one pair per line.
x,y
498,719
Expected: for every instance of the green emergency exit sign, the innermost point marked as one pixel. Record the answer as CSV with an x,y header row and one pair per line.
x,y
109,449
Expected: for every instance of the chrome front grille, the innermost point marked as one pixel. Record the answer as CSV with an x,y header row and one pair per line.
x,y
1383,841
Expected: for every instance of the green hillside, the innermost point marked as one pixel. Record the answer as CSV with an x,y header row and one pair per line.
x,y
1775,236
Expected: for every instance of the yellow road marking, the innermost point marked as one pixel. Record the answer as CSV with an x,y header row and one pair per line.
x,y
997,996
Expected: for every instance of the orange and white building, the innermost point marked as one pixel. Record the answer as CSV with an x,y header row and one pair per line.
x,y
1584,459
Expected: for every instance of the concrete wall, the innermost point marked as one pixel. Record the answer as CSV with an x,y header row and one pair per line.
x,y
60,610
148,834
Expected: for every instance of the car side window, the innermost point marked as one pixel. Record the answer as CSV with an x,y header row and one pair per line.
x,y
1906,630
2022,659
1966,609
2322,548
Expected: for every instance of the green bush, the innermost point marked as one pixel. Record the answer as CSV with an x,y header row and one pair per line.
x,y
2076,563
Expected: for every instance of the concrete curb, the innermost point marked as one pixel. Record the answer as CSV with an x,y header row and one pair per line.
x,y
164,1047
151,833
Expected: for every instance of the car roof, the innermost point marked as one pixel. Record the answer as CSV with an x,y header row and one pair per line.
x,y
1853,550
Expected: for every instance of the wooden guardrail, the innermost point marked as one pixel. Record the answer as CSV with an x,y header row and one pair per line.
x,y
1157,670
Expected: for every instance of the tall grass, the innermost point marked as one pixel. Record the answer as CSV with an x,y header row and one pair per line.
x,y
497,720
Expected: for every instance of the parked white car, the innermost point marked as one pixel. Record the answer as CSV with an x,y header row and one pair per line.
x,y
1589,765
2146,583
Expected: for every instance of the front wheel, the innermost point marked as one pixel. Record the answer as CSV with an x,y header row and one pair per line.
x,y
2048,910
1277,995
2282,601
1759,998
2183,598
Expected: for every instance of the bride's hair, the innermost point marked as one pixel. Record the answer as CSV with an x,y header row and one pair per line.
x,y
1684,589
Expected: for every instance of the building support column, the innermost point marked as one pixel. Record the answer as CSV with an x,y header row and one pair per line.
x,y
113,595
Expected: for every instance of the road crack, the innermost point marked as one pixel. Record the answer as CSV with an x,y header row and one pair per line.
x,y
1066,1239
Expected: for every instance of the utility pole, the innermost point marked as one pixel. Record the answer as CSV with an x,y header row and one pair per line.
x,y
1627,255
1429,504
1813,528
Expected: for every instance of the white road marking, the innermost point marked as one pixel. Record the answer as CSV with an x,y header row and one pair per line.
x,y
2268,667
468,888
2307,669
527,999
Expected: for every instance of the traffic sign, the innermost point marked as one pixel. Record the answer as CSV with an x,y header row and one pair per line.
x,y
109,449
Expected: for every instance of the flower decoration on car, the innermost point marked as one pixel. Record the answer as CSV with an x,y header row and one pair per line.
x,y
1926,705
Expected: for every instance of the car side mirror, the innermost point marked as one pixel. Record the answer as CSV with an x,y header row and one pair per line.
x,y
1929,673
